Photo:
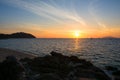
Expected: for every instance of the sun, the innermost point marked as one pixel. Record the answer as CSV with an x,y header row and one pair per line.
x,y
76,34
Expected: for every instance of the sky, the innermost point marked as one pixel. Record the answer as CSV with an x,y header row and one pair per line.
x,y
61,18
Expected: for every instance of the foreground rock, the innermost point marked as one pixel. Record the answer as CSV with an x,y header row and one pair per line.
x,y
11,69
116,75
59,67
113,72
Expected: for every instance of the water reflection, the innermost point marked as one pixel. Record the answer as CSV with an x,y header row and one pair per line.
x,y
97,50
76,43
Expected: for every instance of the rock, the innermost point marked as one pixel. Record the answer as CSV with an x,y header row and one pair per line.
x,y
116,75
54,67
110,68
66,67
11,69
50,76
55,54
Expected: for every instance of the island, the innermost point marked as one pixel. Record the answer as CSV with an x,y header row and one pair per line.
x,y
16,35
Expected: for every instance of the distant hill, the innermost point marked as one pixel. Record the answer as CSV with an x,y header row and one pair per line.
x,y
109,37
16,35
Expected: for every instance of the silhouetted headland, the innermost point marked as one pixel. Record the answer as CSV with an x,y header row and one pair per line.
x,y
17,35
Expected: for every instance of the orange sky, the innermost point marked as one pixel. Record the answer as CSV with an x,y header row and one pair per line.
x,y
65,31
61,18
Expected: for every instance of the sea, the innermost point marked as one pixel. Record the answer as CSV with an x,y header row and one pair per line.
x,y
101,52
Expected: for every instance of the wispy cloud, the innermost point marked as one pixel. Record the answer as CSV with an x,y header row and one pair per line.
x,y
48,10
93,12
101,24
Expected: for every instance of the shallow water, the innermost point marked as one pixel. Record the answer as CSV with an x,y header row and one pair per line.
x,y
99,51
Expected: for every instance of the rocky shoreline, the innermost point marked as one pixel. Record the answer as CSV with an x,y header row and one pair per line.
x,y
53,67
4,52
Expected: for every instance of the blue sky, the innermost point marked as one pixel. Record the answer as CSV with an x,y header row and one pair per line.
x,y
62,16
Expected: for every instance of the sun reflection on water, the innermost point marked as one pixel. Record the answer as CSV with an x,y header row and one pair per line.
x,y
76,43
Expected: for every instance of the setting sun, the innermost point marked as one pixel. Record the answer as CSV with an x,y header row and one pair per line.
x,y
77,34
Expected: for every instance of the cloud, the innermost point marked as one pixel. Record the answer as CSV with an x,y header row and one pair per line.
x,y
101,24
48,10
93,11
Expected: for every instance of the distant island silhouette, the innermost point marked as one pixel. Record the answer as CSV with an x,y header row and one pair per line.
x,y
109,37
17,35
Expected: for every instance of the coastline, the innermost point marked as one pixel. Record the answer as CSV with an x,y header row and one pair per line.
x,y
4,52
58,65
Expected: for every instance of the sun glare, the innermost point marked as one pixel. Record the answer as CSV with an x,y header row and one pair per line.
x,y
77,34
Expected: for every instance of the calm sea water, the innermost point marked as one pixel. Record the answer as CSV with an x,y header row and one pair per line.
x,y
101,52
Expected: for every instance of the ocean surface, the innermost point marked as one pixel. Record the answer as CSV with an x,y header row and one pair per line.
x,y
100,52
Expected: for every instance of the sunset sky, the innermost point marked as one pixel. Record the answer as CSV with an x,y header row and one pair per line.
x,y
61,18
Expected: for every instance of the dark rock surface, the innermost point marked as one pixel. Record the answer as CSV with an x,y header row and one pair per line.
x,y
116,75
58,67
11,69
110,68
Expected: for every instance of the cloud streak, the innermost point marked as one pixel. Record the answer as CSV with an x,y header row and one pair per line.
x,y
93,11
48,10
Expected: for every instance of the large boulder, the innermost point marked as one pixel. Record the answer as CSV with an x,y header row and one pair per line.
x,y
11,69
